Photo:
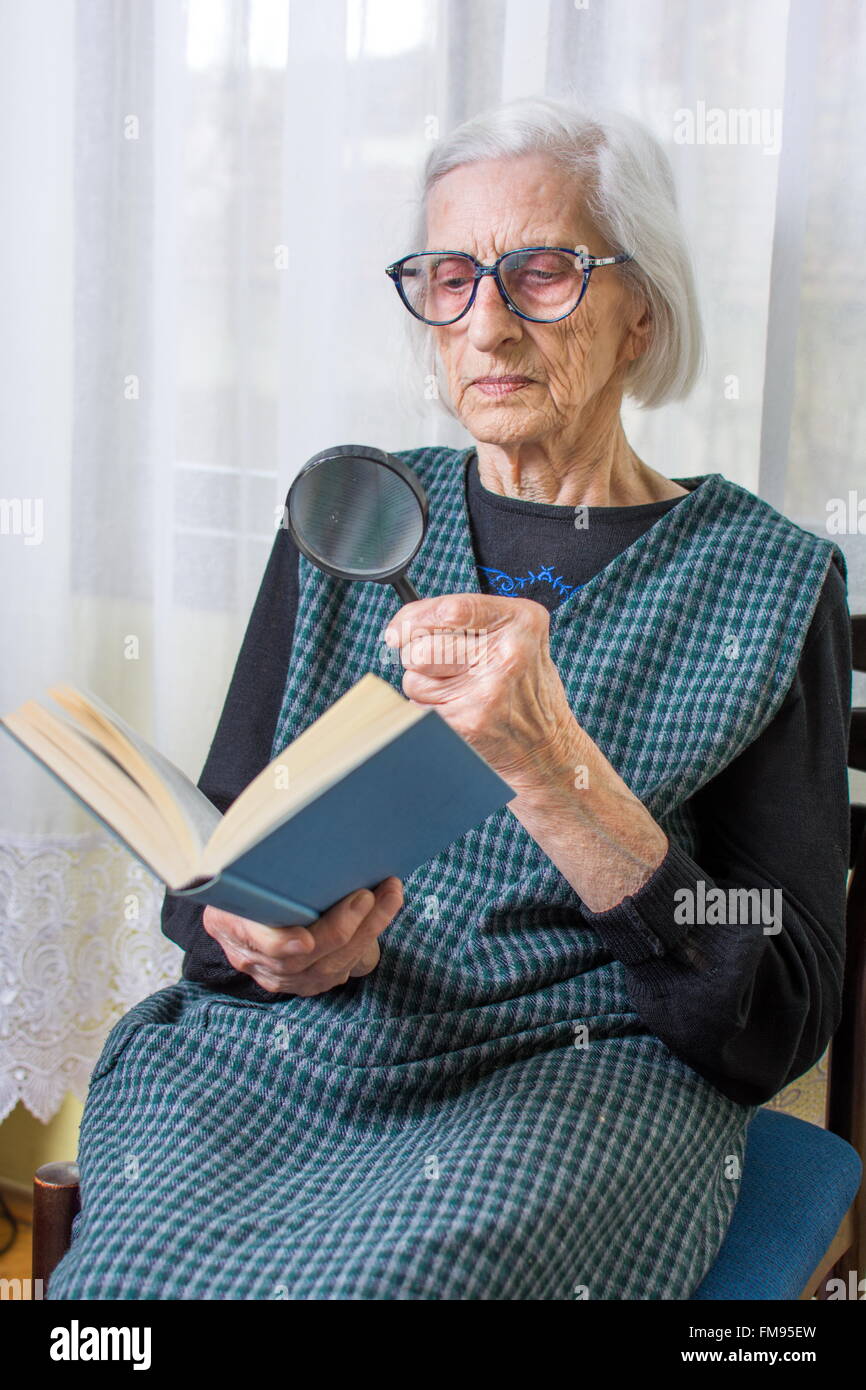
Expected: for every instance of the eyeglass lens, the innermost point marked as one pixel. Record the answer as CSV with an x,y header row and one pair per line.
x,y
541,284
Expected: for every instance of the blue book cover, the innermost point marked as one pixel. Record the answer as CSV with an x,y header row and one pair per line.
x,y
403,803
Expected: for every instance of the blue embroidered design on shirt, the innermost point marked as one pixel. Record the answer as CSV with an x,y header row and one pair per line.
x,y
507,584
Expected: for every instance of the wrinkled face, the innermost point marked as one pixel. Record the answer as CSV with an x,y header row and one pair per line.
x,y
501,205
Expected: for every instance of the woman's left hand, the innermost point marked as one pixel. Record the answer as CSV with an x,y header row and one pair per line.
x,y
484,663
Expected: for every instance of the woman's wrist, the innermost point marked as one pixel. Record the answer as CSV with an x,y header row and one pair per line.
x,y
552,769
598,833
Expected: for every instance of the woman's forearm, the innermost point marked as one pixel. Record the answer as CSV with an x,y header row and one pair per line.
x,y
599,835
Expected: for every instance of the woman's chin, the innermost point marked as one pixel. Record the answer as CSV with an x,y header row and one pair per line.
x,y
493,426
480,413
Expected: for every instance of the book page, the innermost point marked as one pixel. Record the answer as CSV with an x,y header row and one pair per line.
x,y
183,806
339,720
93,777
360,722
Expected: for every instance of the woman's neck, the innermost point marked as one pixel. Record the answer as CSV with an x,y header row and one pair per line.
x,y
599,471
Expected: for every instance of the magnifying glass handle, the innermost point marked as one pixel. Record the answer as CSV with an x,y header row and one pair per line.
x,y
408,593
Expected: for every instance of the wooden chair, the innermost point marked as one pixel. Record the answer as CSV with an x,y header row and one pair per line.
x,y
56,1201
800,1219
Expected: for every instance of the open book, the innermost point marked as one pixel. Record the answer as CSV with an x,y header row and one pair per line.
x,y
376,786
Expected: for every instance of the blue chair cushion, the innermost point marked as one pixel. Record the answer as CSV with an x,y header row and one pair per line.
x,y
798,1181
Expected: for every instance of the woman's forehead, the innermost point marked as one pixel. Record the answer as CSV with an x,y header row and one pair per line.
x,y
502,204
487,238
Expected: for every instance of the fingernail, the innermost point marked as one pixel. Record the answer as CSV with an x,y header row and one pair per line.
x,y
359,898
390,637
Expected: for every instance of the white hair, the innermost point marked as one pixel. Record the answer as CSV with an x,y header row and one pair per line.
x,y
629,193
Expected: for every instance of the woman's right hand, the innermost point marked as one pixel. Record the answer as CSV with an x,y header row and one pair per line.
x,y
342,944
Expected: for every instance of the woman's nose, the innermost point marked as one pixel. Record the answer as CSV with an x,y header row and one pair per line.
x,y
490,319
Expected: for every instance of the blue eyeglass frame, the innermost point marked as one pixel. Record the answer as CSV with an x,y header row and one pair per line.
x,y
395,271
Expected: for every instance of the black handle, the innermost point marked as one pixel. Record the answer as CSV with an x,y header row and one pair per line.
x,y
407,591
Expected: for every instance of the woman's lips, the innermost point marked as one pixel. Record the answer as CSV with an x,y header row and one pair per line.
x,y
501,385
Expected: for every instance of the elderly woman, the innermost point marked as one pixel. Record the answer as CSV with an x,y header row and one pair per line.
x,y
526,1072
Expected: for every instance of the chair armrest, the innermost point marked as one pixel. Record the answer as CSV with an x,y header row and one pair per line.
x,y
56,1200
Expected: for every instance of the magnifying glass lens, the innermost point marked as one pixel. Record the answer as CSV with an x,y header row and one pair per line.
x,y
358,517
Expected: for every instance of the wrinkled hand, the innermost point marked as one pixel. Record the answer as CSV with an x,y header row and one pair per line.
x,y
484,663
341,945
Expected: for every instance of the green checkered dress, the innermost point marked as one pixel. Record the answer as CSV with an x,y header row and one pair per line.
x,y
484,1116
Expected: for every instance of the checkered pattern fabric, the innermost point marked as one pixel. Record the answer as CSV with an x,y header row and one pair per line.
x,y
484,1116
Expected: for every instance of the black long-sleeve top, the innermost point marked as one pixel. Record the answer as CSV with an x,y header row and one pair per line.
x,y
749,1010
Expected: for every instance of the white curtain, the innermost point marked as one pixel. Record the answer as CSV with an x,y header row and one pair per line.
x,y
199,200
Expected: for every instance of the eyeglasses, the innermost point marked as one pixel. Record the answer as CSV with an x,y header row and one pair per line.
x,y
540,283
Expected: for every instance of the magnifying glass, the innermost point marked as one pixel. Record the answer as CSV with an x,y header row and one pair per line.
x,y
359,513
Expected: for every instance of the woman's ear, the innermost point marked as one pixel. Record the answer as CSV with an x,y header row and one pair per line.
x,y
638,333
